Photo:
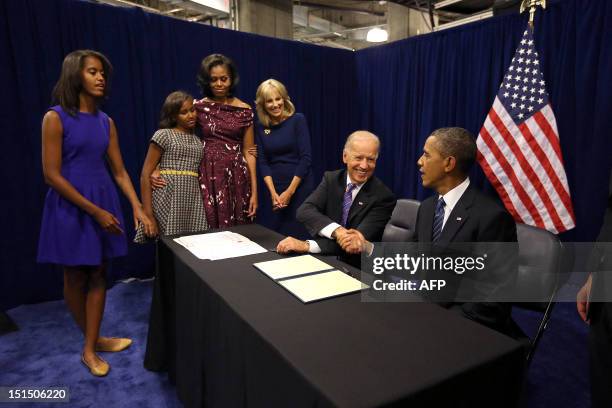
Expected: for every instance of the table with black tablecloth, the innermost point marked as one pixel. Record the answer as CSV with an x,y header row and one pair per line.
x,y
229,336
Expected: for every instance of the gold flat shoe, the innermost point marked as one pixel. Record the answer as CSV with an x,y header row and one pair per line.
x,y
119,344
97,371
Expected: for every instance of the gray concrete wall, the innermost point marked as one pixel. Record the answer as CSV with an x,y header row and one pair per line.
x,y
273,18
403,22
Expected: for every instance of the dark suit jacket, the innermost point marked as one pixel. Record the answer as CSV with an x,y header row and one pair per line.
x,y
369,213
600,313
600,263
477,218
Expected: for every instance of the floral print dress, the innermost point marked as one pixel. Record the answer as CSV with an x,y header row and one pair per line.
x,y
224,176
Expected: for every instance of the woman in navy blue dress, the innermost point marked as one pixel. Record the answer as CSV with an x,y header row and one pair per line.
x,y
284,159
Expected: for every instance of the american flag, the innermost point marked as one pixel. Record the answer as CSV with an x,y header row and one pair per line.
x,y
519,150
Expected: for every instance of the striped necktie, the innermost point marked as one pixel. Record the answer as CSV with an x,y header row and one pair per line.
x,y
347,201
438,220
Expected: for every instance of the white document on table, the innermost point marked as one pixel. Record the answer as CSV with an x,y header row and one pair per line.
x,y
294,266
219,245
322,286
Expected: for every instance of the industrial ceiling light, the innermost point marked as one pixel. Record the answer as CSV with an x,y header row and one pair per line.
x,y
377,35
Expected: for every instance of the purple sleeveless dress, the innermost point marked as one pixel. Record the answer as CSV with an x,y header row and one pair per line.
x,y
68,235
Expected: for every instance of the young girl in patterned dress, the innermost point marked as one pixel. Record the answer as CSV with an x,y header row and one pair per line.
x,y
227,172
177,208
82,225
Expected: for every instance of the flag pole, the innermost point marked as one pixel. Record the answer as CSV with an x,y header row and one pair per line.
x,y
532,5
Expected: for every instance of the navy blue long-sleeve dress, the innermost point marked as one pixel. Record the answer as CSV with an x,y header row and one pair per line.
x,y
284,152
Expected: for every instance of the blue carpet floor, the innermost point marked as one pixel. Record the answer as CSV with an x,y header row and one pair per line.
x,y
45,352
559,373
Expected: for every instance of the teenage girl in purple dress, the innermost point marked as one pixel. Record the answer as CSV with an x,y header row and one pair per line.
x,y
82,225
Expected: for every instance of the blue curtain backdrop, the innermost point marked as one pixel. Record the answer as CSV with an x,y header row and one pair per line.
x,y
152,56
450,78
401,91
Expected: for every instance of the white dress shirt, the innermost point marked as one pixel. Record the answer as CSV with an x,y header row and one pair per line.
x,y
451,198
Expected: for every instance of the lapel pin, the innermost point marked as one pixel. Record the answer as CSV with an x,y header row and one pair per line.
x,y
360,203
458,218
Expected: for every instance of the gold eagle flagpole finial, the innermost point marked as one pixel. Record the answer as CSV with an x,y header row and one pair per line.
x,y
532,5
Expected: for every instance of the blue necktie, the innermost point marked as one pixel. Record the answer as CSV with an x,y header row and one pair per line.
x,y
438,220
347,201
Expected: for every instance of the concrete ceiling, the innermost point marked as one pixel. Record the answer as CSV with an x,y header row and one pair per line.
x,y
336,23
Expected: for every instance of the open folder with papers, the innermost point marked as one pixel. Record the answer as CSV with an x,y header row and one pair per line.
x,y
309,279
322,285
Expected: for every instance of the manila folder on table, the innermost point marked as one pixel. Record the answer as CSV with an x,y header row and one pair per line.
x,y
322,285
294,266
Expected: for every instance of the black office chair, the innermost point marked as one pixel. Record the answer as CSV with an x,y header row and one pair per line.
x,y
541,261
401,226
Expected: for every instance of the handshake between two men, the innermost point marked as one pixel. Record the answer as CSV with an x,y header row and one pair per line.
x,y
350,240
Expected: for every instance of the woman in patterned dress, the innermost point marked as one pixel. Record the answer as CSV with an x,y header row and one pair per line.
x,y
177,208
227,173
82,225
